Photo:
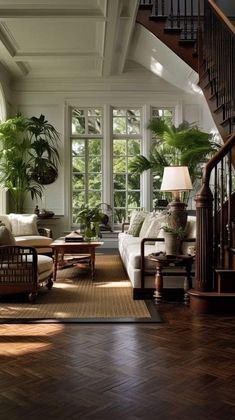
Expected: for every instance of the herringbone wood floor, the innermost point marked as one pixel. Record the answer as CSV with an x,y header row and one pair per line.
x,y
181,369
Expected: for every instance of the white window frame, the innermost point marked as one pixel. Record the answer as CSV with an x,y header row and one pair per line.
x,y
85,136
127,136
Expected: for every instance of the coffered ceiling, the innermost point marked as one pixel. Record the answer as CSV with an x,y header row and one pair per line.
x,y
65,38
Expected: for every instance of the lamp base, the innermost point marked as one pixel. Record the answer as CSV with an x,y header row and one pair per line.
x,y
177,214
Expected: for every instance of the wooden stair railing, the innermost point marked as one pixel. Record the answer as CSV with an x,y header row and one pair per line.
x,y
215,202
215,243
217,66
182,25
215,206
175,23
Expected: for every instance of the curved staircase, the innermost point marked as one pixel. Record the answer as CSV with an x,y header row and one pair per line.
x,y
200,33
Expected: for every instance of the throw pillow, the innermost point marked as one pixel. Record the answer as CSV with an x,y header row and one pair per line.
x,y
136,223
155,226
6,237
23,224
146,223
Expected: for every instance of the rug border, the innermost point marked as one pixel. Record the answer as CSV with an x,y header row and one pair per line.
x,y
151,306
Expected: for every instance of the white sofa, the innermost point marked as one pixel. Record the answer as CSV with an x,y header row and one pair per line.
x,y
26,233
133,252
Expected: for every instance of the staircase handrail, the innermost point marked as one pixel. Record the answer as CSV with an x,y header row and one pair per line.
x,y
222,16
218,156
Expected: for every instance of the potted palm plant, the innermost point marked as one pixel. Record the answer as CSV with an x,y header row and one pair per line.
x,y
27,147
185,145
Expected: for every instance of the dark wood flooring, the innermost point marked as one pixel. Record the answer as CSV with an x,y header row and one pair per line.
x,y
181,369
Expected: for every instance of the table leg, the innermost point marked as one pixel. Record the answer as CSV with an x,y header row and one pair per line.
x,y
55,264
159,285
92,253
187,284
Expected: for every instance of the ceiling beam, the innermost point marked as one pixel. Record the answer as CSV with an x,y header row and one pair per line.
x,y
111,28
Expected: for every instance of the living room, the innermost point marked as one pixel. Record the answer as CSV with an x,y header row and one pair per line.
x,y
58,60
54,91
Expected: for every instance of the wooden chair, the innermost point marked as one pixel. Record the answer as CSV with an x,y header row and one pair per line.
x,y
22,270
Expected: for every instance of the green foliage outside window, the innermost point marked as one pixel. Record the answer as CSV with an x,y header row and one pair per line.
x,y
86,130
126,145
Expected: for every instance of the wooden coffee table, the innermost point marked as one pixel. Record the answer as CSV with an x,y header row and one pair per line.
x,y
83,249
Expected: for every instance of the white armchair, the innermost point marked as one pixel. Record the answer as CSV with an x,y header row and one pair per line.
x,y
26,233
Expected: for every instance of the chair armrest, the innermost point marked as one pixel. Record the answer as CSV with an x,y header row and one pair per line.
x,y
45,232
142,260
123,226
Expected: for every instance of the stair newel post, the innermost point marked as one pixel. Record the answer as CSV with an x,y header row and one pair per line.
x,y
204,241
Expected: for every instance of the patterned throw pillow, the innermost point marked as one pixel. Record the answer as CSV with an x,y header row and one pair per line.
x,y
150,223
6,237
155,226
146,223
136,223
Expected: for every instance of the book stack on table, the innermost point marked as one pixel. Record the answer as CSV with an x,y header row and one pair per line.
x,y
74,237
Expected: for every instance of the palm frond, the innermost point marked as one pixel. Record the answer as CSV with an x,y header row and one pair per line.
x,y
139,164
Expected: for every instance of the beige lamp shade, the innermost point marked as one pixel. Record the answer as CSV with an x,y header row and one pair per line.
x,y
176,178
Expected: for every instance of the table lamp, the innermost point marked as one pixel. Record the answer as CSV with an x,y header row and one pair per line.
x,y
176,179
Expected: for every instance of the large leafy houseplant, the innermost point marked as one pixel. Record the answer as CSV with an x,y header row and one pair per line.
x,y
185,145
90,219
27,148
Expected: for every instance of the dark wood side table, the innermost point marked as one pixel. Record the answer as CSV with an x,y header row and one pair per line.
x,y
165,261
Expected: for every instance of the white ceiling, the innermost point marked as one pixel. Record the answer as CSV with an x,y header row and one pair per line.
x,y
65,39
73,42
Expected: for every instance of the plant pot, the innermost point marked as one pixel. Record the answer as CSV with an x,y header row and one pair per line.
x,y
172,243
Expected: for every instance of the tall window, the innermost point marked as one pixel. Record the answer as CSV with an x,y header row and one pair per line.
x,y
86,139
126,145
167,114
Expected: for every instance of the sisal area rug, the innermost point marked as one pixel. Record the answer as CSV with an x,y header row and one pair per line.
x,y
76,298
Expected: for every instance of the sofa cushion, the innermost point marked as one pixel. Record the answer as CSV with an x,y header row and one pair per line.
x,y
45,264
32,240
189,247
44,268
23,224
6,237
186,246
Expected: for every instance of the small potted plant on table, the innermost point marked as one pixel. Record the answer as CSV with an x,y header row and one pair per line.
x,y
90,220
173,238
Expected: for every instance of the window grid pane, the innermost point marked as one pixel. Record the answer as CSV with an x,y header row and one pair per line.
x,y
126,186
86,158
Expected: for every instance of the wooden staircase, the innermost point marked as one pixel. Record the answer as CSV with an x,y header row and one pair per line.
x,y
204,38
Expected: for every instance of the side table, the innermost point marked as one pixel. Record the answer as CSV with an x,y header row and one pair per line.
x,y
163,261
